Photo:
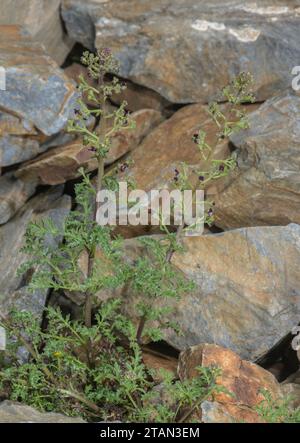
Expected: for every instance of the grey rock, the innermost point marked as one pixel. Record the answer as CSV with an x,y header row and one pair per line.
x,y
13,286
13,194
265,189
37,90
187,50
247,293
14,149
13,412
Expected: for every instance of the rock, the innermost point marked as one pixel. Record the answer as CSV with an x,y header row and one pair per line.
x,y
13,194
158,363
187,50
138,97
42,20
14,287
13,412
168,145
265,189
62,163
247,295
242,380
12,125
18,149
36,89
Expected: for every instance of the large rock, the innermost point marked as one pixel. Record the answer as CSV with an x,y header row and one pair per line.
x,y
14,291
62,163
243,381
13,194
247,294
13,412
155,159
265,189
42,20
36,89
187,50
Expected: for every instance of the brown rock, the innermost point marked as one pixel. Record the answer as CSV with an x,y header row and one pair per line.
x,y
41,18
61,164
156,363
265,189
170,144
242,379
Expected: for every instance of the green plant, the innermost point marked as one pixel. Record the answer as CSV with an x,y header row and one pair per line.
x,y
277,410
94,367
94,372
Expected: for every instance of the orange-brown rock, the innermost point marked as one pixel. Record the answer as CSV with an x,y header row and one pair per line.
x,y
170,144
61,164
243,380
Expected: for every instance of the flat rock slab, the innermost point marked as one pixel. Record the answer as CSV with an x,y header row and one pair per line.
x,y
248,290
13,412
37,90
265,188
187,50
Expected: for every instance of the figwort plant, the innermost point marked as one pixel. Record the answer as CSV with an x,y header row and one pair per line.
x,y
94,366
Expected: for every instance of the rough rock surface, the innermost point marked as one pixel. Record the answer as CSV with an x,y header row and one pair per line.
x,y
168,145
13,412
41,18
247,295
13,194
36,89
62,163
247,289
243,379
187,50
13,287
265,190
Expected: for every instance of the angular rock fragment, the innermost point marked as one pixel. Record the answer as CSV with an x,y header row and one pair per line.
x,y
36,89
13,194
265,188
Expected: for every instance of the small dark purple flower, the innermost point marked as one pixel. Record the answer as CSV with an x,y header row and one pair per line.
x,y
221,168
123,167
92,149
195,138
201,178
176,171
210,212
175,179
